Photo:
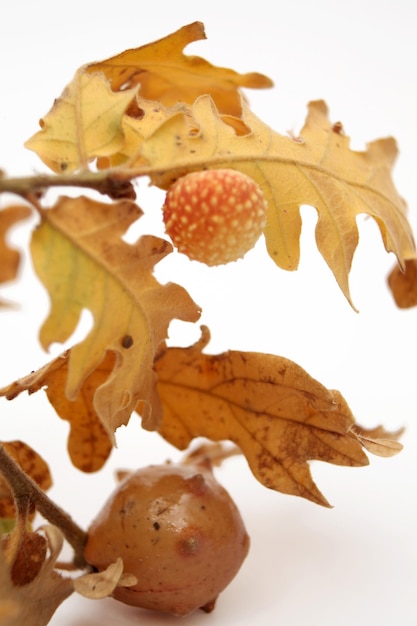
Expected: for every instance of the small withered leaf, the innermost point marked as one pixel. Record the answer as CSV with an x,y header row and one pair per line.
x,y
403,284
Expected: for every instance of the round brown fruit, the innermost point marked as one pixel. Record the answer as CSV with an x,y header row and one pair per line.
x,y
177,530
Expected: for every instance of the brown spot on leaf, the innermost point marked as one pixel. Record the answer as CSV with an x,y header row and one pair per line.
x,y
127,342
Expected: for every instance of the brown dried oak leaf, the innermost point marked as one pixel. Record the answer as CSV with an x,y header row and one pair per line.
x,y
89,443
403,284
33,465
9,257
278,415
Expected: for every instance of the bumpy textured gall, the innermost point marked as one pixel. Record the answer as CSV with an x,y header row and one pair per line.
x,y
177,530
214,216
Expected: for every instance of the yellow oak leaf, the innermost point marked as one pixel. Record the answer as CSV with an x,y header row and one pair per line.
x,y
9,257
84,123
80,257
317,169
273,410
167,75
139,127
148,116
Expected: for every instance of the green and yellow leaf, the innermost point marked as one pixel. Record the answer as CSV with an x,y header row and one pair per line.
x,y
80,257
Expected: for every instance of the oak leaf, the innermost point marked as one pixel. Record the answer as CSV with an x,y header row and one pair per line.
x,y
278,415
80,257
317,169
136,129
89,444
167,75
9,257
378,440
83,124
403,284
33,465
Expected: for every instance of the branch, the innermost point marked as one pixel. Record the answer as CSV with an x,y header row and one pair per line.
x,y
24,489
114,183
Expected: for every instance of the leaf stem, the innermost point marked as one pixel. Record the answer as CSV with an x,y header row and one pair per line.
x,y
24,489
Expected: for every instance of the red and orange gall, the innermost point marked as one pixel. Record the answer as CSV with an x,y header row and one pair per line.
x,y
214,216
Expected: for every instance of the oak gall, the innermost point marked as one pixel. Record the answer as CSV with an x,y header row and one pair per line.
x,y
177,530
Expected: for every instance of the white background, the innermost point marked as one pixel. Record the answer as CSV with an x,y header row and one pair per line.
x,y
357,562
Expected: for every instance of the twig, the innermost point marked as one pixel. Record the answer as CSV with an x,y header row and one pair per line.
x,y
24,488
114,183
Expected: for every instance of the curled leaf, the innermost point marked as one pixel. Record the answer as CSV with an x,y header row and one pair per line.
x,y
378,440
102,584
